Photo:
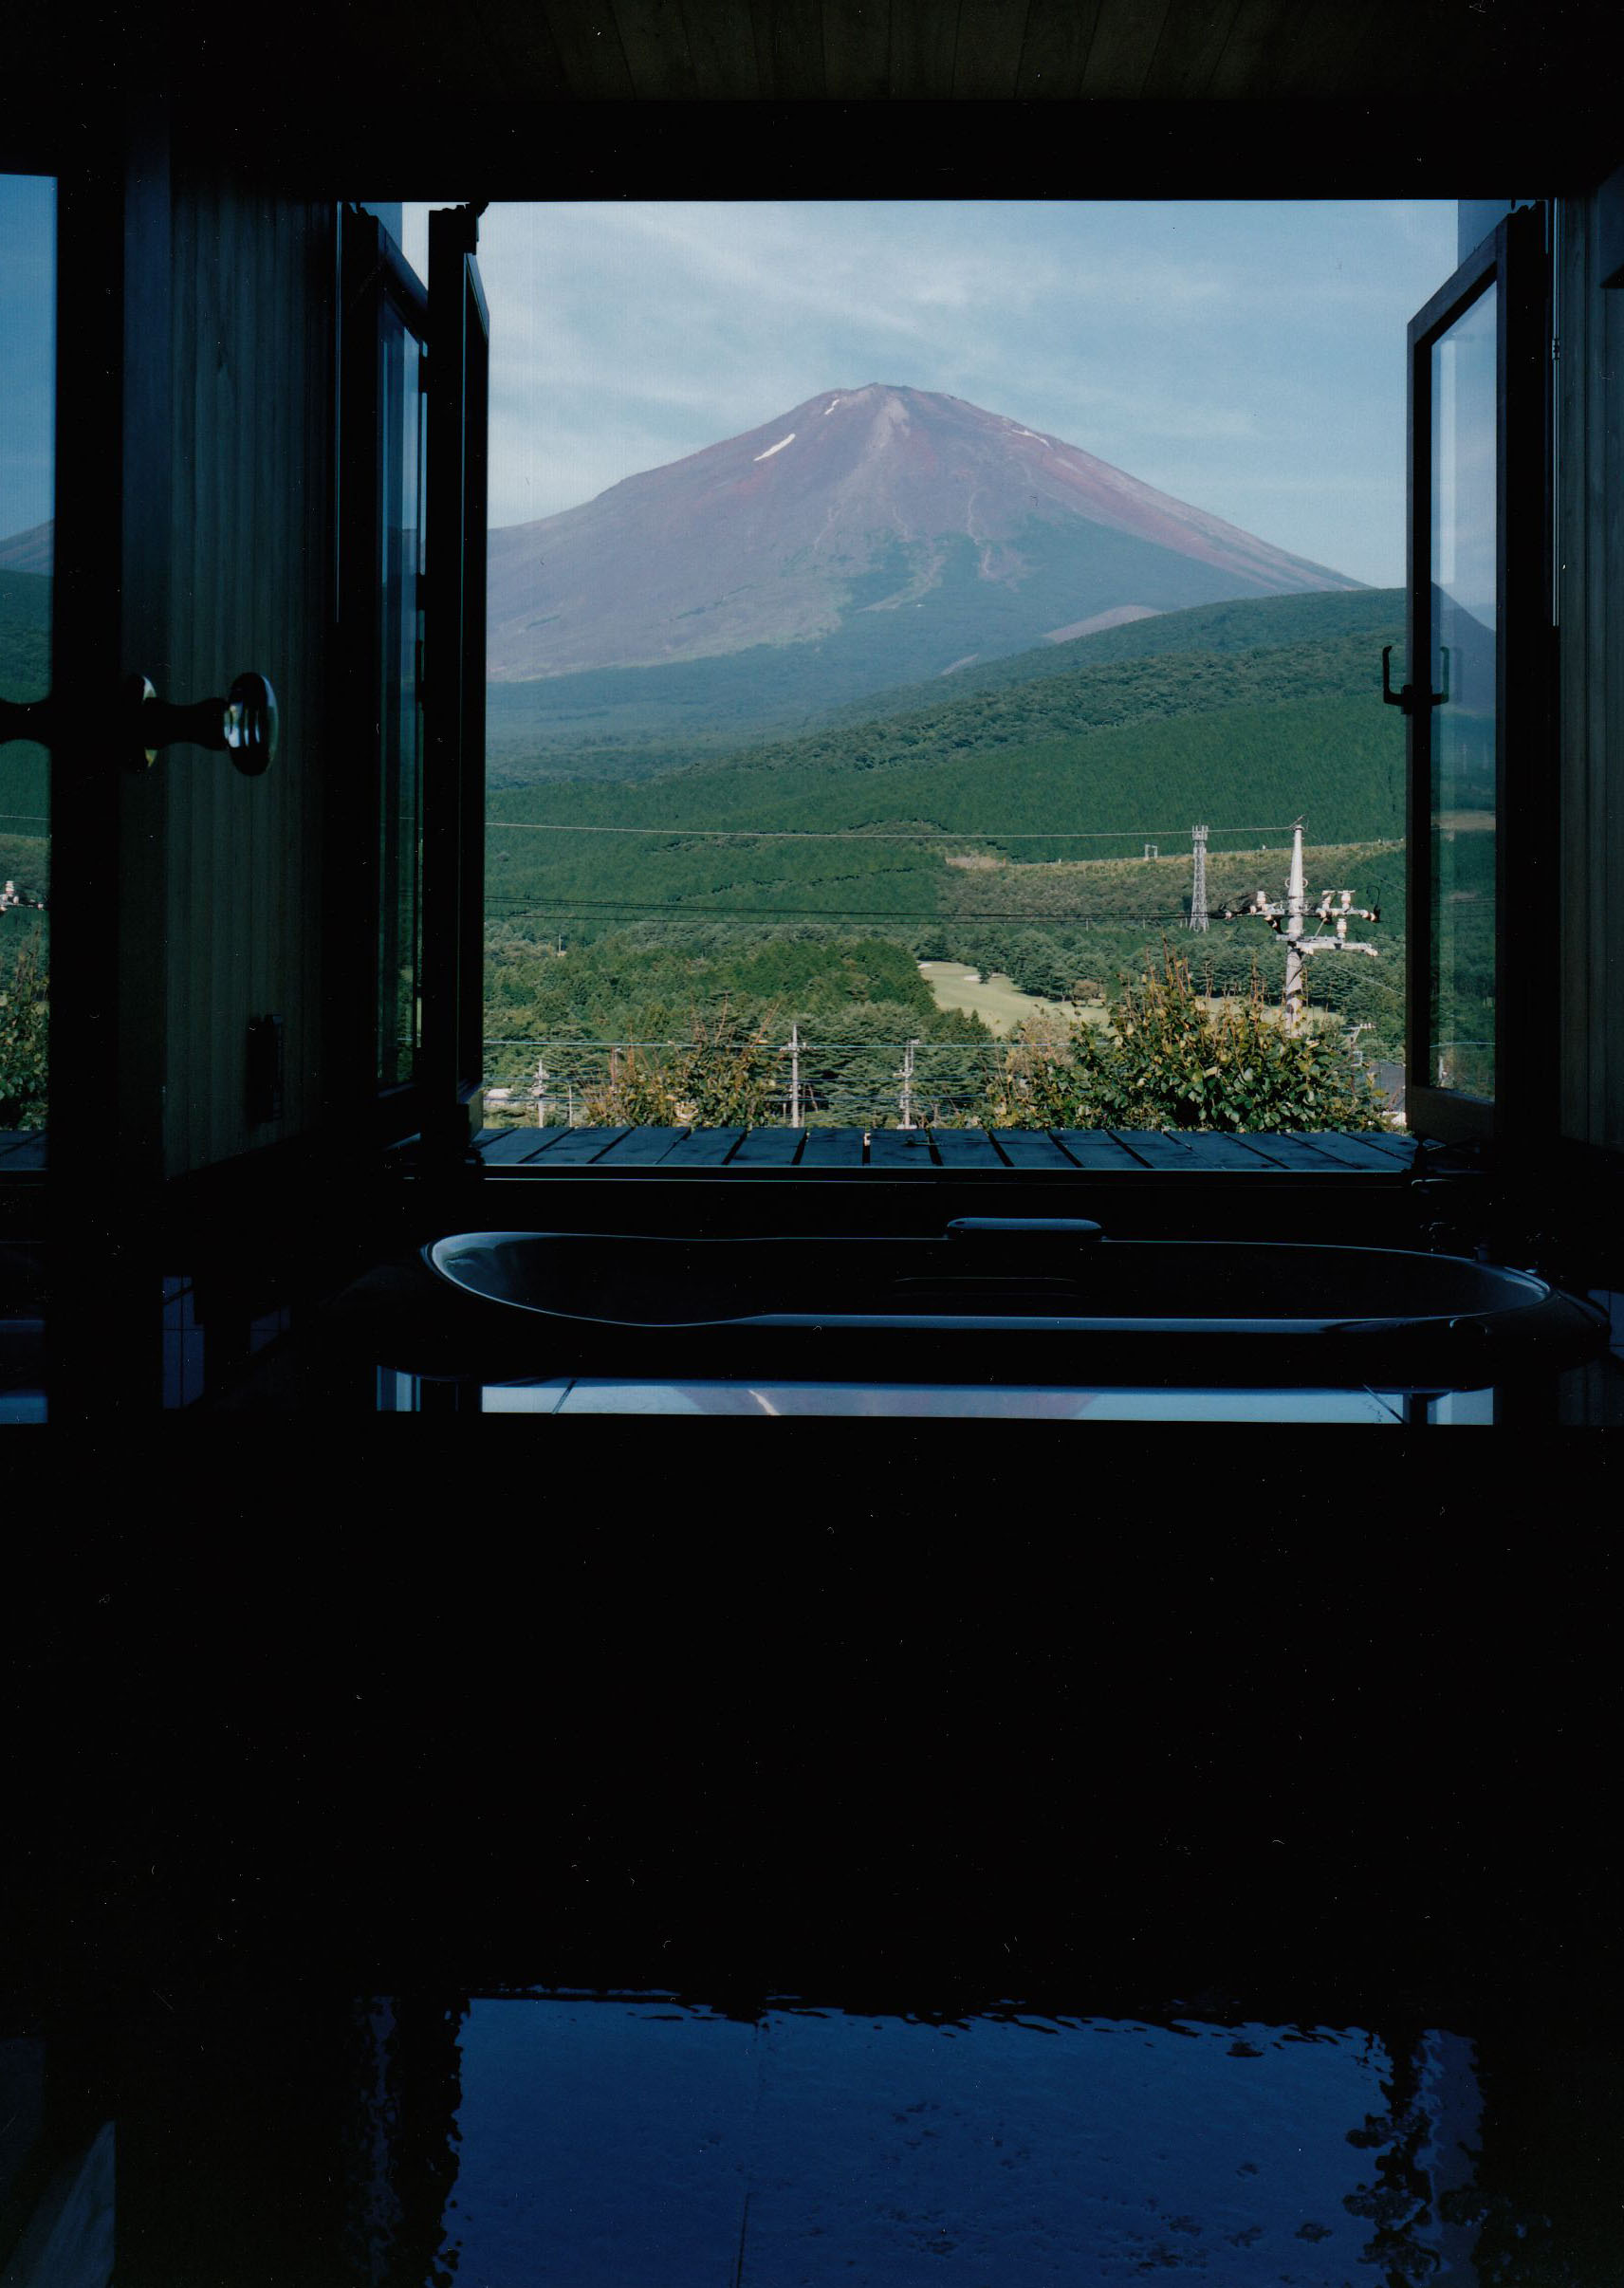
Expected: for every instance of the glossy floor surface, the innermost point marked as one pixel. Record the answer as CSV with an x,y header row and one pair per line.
x,y
658,2147
692,1868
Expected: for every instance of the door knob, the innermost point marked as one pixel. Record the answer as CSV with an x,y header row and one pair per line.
x,y
242,725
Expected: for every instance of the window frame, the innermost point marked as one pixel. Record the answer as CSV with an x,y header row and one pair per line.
x,y
374,278
1523,1108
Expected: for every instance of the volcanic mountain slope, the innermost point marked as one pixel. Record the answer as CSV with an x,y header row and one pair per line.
x,y
896,524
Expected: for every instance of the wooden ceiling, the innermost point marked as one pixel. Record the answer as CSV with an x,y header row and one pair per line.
x,y
1041,50
1070,97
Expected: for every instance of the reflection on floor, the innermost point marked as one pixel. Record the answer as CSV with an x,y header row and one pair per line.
x,y
650,2145
563,1397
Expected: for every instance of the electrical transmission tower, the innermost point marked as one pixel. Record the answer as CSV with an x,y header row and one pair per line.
x,y
1295,915
1198,893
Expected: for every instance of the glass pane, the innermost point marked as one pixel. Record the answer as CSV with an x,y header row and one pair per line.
x,y
1461,662
27,359
401,856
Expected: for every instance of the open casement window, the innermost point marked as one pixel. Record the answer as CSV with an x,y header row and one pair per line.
x,y
415,364
450,1077
1482,820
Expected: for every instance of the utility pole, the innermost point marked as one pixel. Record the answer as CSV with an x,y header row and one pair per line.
x,y
1198,891
908,1084
541,1093
795,1075
1294,913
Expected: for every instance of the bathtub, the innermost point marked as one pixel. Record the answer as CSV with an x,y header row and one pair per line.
x,y
1031,1300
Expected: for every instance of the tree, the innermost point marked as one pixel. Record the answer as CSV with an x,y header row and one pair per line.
x,y
25,1038
723,1077
1173,1063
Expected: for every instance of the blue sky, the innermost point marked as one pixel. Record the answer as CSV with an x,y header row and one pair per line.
x,y
1248,357
1245,355
28,352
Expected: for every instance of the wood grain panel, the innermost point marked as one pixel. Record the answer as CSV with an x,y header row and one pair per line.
x,y
924,35
1097,1149
856,48
1125,39
1029,1147
1590,551
965,1147
643,1147
768,1148
654,36
1249,63
1192,40
1054,48
722,49
1606,914
704,1148
986,60
899,1148
789,49
581,1147
1325,35
586,38
833,1148
251,352
523,57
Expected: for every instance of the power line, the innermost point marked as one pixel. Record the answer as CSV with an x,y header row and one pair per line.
x,y
864,834
514,900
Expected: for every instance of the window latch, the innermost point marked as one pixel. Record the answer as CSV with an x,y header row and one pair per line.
x,y
1405,697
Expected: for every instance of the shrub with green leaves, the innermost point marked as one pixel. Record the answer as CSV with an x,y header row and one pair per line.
x,y
1171,1061
726,1076
25,1038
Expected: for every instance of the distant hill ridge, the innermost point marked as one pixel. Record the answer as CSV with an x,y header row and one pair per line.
x,y
1083,761
1178,663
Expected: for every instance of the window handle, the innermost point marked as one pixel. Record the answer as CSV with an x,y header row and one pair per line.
x,y
26,719
242,725
1405,696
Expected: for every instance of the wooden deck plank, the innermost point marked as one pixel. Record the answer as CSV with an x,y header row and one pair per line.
x,y
833,1148
1299,1153
768,1148
518,1145
1231,1156
1098,1151
1157,1149
1353,1151
1397,1147
581,1147
704,1148
1029,1147
965,1147
1080,1152
643,1147
899,1148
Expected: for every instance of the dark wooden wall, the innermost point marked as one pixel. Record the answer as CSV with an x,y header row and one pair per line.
x,y
250,572
1590,535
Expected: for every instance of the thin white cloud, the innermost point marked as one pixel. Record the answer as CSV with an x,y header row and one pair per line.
x,y
1263,339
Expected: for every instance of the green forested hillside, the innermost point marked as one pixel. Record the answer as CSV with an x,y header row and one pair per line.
x,y
624,722
1006,826
1249,623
